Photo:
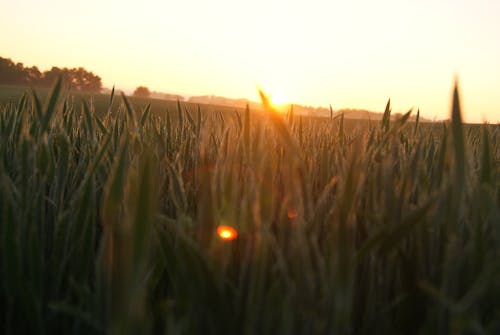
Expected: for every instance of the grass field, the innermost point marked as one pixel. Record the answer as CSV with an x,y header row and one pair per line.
x,y
159,107
109,209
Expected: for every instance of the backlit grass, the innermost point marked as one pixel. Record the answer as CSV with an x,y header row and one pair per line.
x,y
111,221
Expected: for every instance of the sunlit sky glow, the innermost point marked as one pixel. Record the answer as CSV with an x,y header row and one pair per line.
x,y
348,53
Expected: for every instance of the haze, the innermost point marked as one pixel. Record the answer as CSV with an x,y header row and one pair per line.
x,y
345,53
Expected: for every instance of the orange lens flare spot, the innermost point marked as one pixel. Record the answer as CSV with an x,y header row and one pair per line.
x,y
292,214
227,233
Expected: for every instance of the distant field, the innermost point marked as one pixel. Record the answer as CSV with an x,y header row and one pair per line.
x,y
101,101
119,219
158,106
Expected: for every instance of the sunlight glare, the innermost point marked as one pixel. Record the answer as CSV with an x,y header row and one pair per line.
x,y
279,99
227,233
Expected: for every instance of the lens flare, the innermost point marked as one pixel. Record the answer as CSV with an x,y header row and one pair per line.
x,y
292,214
227,233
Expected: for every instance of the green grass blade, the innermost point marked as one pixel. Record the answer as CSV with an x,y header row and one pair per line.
x,y
50,104
145,115
458,142
130,111
386,118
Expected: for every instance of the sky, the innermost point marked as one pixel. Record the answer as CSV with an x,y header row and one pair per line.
x,y
350,54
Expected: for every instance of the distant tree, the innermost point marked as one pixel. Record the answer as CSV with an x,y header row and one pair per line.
x,y
33,75
12,73
77,79
50,76
142,92
83,80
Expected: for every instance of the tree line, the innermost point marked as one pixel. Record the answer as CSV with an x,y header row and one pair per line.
x,y
77,79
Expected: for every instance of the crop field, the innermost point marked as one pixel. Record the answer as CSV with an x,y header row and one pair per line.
x,y
120,217
101,102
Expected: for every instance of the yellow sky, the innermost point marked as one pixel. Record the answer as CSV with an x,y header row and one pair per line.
x,y
345,53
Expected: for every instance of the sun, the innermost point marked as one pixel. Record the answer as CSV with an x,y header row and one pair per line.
x,y
278,98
